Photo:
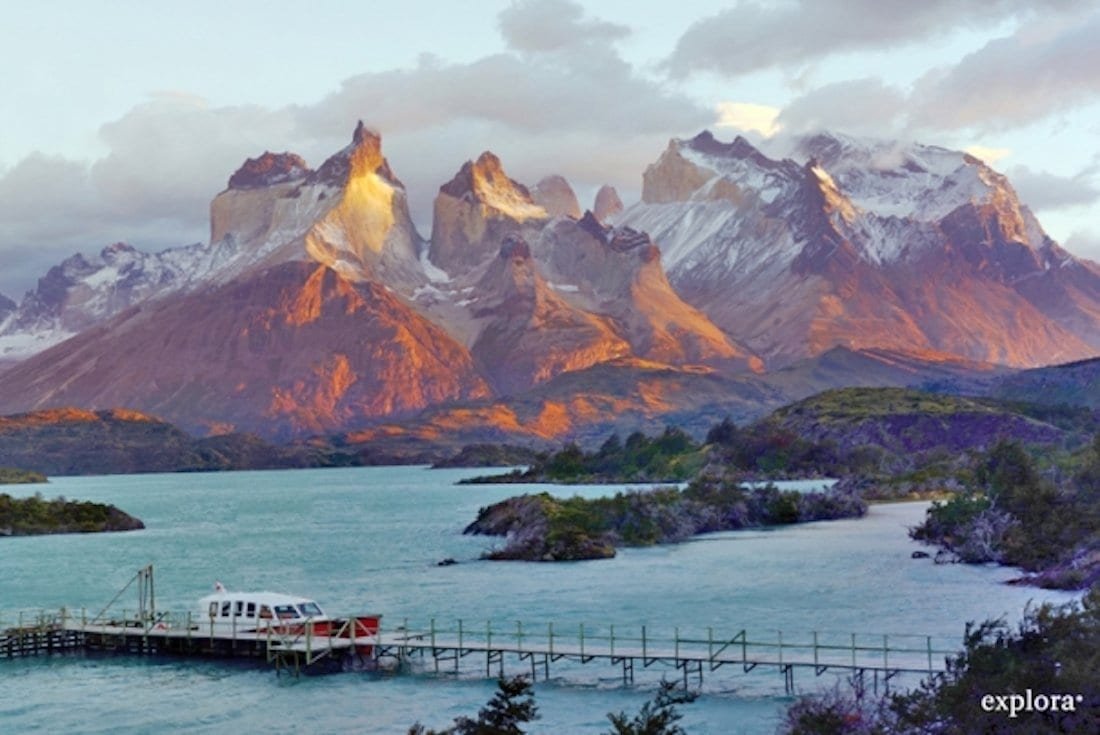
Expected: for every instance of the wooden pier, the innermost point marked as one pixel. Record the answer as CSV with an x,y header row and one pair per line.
x,y
875,657
362,643
328,644
878,658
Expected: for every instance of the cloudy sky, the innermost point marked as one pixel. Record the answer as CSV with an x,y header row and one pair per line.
x,y
122,119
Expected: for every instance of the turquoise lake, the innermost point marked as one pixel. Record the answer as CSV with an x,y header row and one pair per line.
x,y
368,540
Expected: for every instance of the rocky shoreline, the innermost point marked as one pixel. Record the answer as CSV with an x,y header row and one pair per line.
x,y
544,528
35,516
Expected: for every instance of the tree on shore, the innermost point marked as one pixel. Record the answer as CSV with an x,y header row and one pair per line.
x,y
1050,660
657,716
513,705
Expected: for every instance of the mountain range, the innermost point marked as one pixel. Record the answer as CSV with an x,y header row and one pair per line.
x,y
739,282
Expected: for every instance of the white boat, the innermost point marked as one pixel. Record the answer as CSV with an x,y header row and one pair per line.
x,y
258,612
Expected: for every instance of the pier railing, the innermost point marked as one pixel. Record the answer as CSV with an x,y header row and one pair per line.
x,y
716,646
689,650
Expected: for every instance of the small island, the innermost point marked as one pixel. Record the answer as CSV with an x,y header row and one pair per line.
x,y
36,516
543,528
15,476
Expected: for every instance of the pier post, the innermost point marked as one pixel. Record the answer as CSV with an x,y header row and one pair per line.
x,y
550,636
644,646
519,640
612,639
458,653
676,633
431,630
929,654
582,642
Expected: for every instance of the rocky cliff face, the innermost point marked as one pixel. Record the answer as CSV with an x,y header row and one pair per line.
x,y
529,332
608,205
865,245
83,291
617,272
475,211
351,214
554,194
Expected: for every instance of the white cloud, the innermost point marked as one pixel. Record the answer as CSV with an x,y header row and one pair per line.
x,y
749,117
990,155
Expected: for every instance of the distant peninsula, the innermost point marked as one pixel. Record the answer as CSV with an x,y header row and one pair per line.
x,y
35,516
15,476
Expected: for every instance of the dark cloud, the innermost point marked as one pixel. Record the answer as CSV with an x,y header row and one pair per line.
x,y
751,36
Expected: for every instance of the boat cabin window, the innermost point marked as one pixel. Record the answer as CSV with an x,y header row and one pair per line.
x,y
285,612
265,612
226,607
310,610
213,609
250,611
239,609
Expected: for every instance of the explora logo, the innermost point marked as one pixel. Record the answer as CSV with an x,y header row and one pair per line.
x,y
1013,704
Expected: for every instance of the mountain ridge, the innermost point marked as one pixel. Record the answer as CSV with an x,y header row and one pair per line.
x,y
317,307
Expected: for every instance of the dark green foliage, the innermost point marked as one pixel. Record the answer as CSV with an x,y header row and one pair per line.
x,y
35,515
840,711
489,455
1053,651
672,456
766,448
77,442
657,716
544,528
1010,514
11,476
513,705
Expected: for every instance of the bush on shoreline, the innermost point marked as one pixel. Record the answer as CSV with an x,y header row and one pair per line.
x,y
1008,513
1049,659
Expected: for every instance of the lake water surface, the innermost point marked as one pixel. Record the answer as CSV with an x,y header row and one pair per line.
x,y
368,539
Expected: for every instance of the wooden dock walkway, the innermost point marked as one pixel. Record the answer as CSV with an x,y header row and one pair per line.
x,y
875,656
304,647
